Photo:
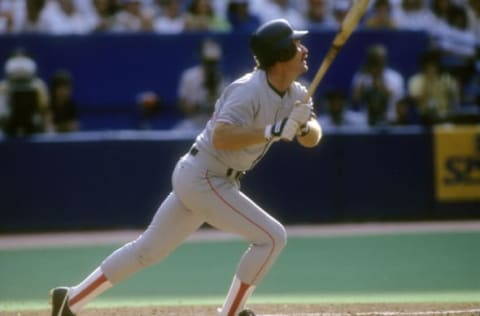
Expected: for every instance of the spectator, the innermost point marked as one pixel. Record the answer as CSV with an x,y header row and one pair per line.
x,y
85,7
150,107
103,15
257,6
458,48
171,20
406,112
32,20
276,9
464,37
435,92
62,104
200,86
6,16
318,15
440,9
450,32
413,15
23,98
201,16
470,81
240,17
381,17
473,13
154,8
340,9
131,17
62,17
377,87
337,112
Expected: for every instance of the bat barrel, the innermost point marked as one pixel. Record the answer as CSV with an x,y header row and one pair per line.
x,y
349,23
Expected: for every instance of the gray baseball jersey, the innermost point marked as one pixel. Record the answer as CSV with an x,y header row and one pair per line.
x,y
205,190
248,102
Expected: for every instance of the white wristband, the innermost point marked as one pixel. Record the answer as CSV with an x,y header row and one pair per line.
x,y
268,132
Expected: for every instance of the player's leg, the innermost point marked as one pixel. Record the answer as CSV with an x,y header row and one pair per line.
x,y
226,208
171,225
267,239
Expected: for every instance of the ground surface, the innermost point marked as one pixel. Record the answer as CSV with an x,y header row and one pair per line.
x,y
286,309
433,265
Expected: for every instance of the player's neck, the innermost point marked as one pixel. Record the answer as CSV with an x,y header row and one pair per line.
x,y
278,81
281,93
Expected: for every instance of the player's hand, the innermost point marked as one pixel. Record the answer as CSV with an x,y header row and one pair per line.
x,y
301,112
285,129
303,130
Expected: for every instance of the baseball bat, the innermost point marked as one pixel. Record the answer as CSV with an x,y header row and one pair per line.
x,y
348,25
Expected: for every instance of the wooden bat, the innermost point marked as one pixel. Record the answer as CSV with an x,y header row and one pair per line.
x,y
349,23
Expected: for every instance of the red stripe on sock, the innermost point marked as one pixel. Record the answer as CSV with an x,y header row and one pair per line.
x,y
241,293
89,289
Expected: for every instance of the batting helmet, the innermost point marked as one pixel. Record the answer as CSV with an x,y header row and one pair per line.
x,y
273,41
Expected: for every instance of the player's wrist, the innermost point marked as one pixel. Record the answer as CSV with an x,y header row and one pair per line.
x,y
303,130
284,129
267,132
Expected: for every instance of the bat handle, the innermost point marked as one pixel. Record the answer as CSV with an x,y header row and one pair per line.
x,y
331,54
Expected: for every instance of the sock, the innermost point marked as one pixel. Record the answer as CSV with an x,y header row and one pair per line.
x,y
236,298
91,287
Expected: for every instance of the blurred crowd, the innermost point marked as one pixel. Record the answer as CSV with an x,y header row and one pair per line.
x,y
448,79
381,96
456,23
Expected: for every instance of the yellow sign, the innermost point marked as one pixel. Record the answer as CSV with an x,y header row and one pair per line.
x,y
457,163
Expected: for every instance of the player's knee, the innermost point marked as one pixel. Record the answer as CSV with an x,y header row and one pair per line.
x,y
279,238
148,255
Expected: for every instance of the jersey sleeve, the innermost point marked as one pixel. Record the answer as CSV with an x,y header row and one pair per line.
x,y
300,92
236,106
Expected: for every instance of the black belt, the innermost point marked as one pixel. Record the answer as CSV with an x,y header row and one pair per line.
x,y
193,151
237,175
230,173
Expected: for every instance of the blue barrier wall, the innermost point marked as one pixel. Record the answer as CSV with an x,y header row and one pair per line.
x,y
109,70
104,180
112,180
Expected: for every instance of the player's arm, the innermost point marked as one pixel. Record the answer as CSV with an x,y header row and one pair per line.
x,y
227,136
310,134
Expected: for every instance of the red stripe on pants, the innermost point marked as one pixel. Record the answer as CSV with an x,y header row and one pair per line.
x,y
248,219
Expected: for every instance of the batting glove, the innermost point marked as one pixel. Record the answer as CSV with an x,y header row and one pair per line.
x,y
303,130
301,112
281,130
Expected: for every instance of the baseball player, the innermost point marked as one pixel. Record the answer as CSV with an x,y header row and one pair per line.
x,y
255,111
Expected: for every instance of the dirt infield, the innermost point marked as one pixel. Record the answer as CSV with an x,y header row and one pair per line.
x,y
285,310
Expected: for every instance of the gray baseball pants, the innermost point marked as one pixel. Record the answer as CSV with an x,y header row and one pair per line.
x,y
202,193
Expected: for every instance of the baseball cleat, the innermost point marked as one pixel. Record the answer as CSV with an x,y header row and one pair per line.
x,y
246,312
59,302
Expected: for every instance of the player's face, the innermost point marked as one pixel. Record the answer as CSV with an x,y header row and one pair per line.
x,y
299,63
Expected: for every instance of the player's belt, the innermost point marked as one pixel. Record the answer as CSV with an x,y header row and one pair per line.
x,y
229,172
